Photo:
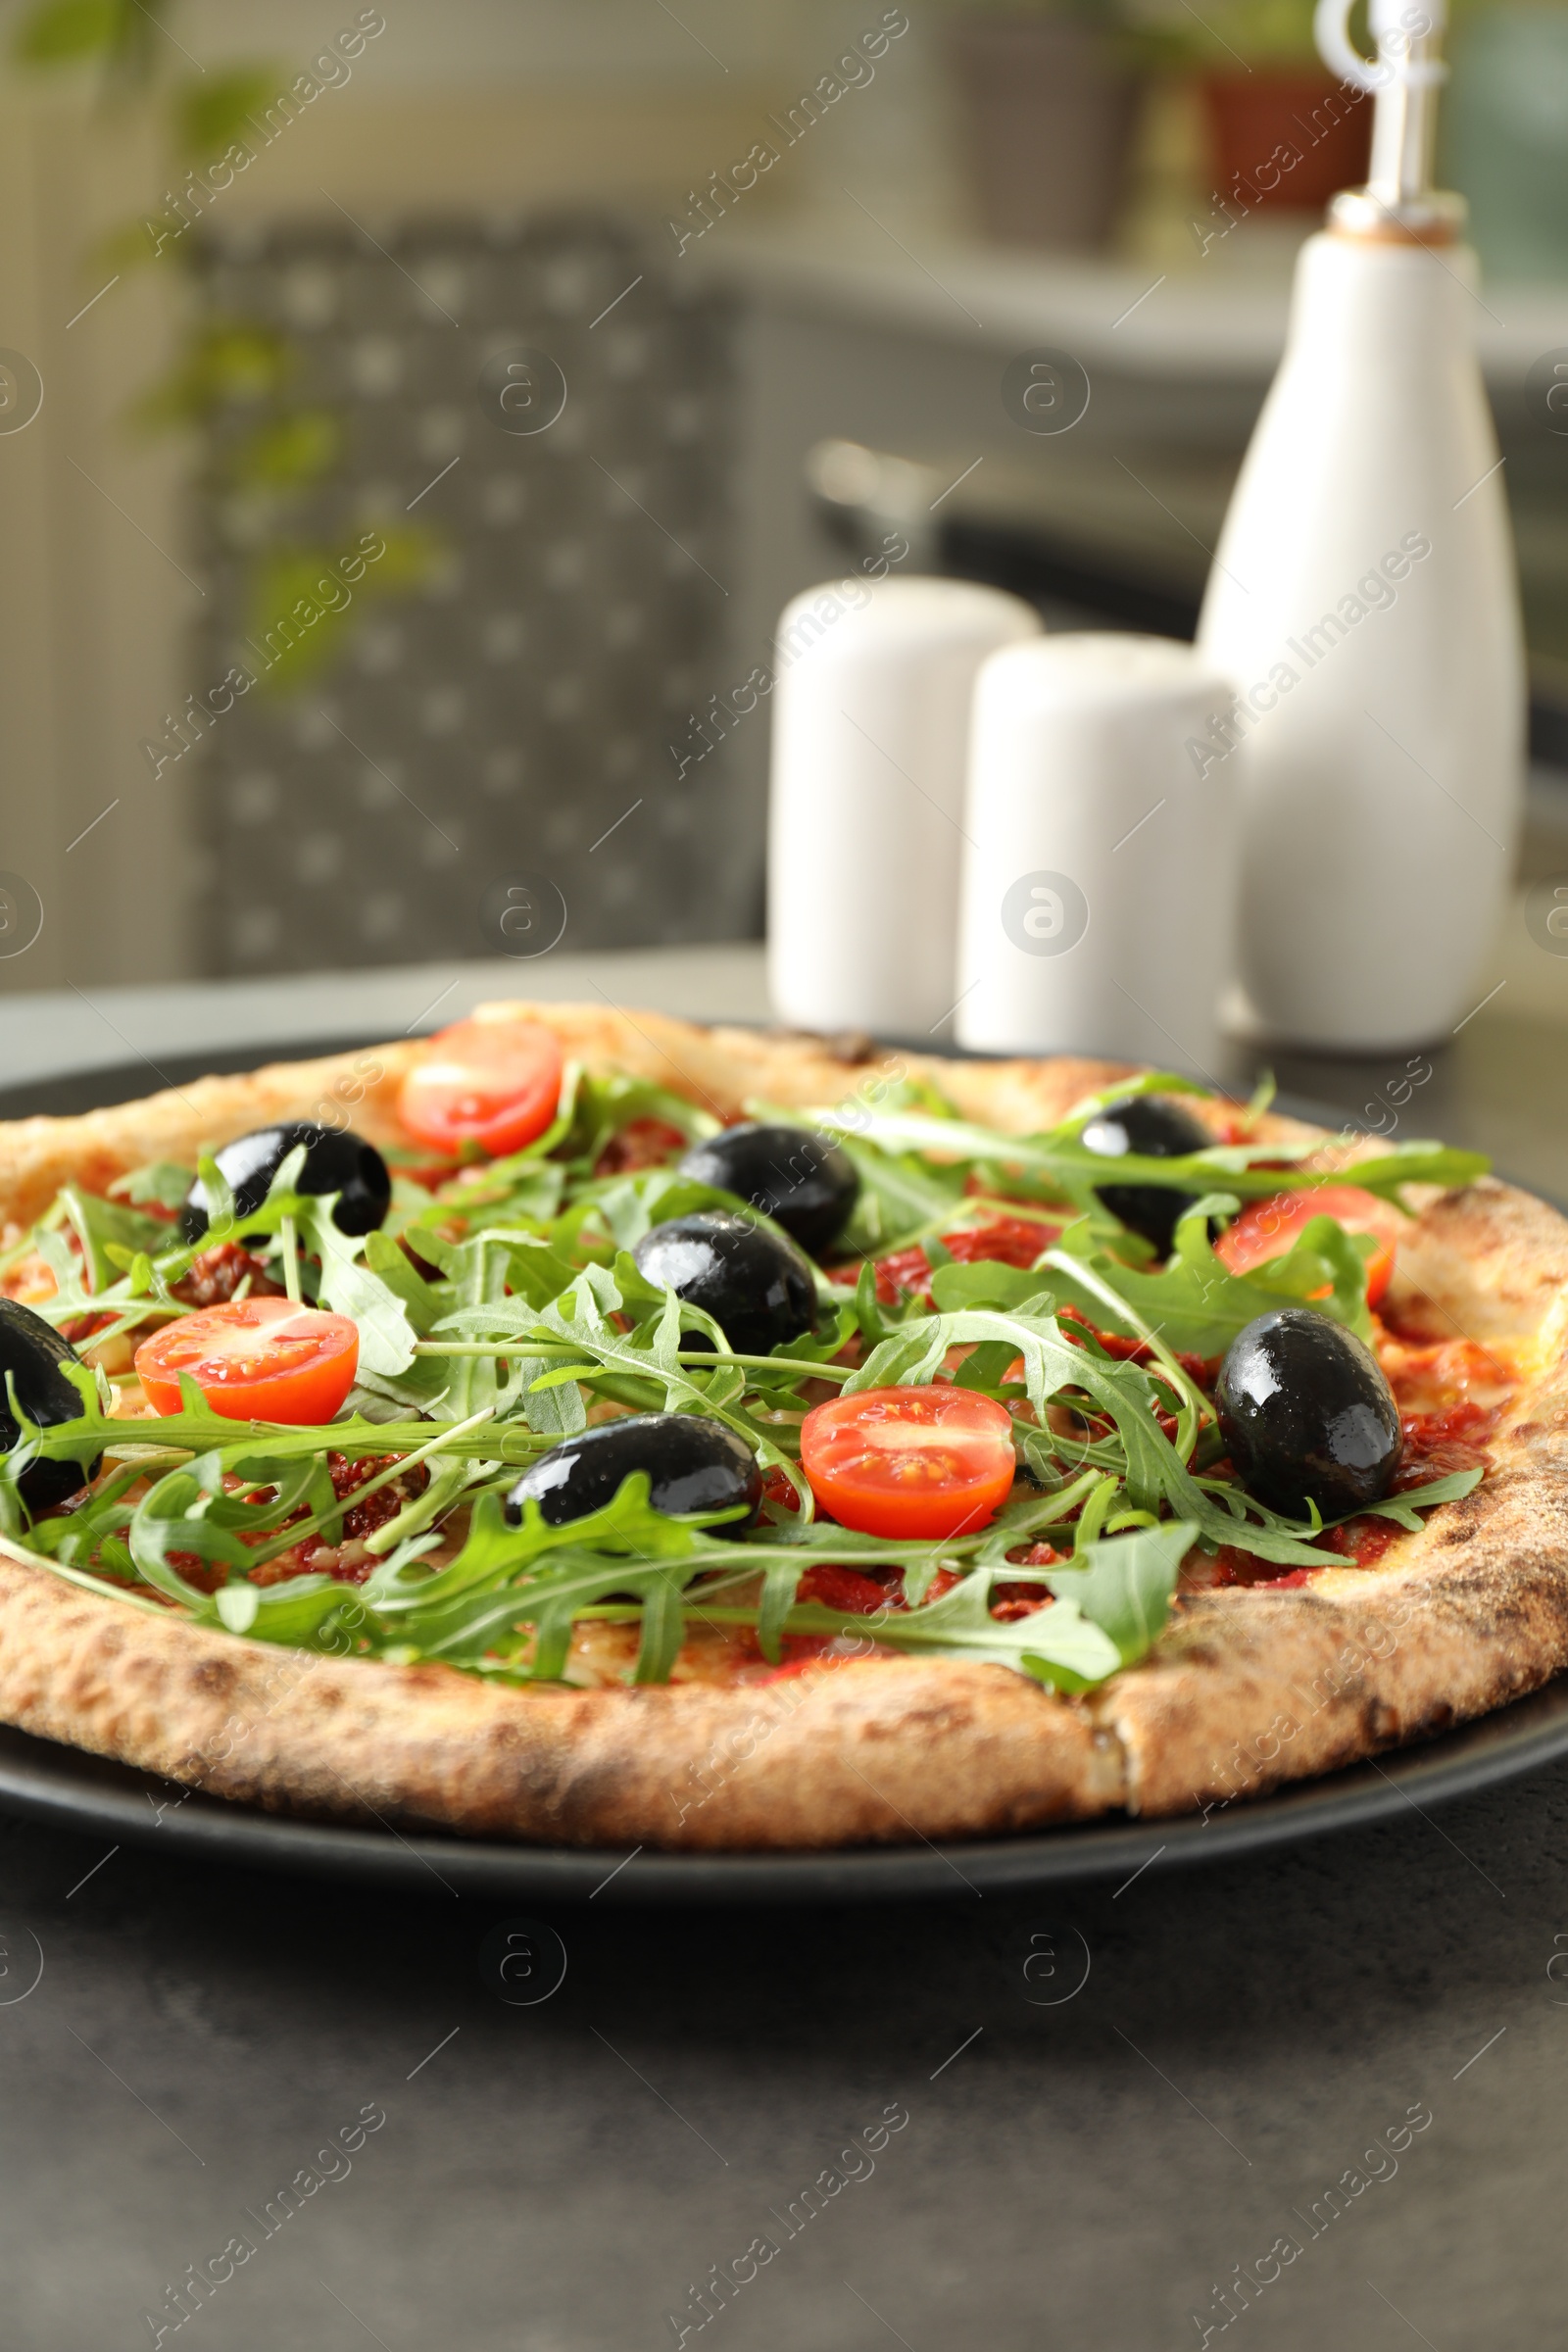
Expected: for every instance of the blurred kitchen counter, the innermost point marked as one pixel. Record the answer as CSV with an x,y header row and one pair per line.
x,y
49,1036
1221,313
853,333
1499,1084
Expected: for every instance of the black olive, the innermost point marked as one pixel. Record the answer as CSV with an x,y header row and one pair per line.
x,y
799,1179
692,1467
1306,1412
754,1284
334,1163
32,1352
1155,1128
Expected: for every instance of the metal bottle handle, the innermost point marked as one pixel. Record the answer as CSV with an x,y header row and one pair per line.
x,y
1406,36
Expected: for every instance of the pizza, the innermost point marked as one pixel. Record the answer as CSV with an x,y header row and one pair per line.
x,y
595,1430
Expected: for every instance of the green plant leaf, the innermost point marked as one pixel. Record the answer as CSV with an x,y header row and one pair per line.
x,y
230,362
216,111
66,31
300,621
287,453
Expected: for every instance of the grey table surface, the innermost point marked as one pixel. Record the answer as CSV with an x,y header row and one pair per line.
x,y
1371,2015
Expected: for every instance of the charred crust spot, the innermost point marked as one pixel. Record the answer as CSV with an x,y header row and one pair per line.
x,y
1460,1522
426,1677
852,1047
214,1678
1379,1723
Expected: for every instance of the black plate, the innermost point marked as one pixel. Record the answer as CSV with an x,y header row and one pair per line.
x,y
62,1785
78,1792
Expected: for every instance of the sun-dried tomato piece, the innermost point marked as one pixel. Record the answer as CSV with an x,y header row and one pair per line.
x,y
845,1589
85,1327
1009,1603
364,1518
907,1273
206,1575
640,1144
212,1278
1363,1541
1006,1241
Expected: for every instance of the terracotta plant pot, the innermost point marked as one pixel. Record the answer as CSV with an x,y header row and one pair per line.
x,y
1049,118
1258,121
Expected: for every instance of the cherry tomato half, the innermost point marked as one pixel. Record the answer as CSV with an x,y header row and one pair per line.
x,y
920,1462
254,1359
491,1083
1267,1229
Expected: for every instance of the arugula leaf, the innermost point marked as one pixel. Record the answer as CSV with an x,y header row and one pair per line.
x,y
899,1194
99,1222
602,1105
535,1271
161,1180
488,1592
1199,1305
1128,1583
189,1511
1052,1363
1061,1158
640,1367
630,1206
1127,1089
1384,1172
1105,1616
544,1577
195,1429
1193,1303
1404,1508
1058,1645
351,1285
498,1194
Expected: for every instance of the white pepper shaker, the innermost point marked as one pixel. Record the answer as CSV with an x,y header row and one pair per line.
x,y
866,829
1100,879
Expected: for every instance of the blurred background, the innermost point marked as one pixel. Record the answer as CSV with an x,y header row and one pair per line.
x,y
414,419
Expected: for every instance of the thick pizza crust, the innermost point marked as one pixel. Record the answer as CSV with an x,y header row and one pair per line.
x,y
1246,1687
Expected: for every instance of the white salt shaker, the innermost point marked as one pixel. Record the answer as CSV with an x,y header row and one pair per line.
x,y
1100,877
865,830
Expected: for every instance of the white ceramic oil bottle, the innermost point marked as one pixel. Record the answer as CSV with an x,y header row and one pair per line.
x,y
1364,604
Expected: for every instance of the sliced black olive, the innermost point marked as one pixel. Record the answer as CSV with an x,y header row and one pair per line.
x,y
692,1467
334,1163
1306,1412
754,1284
799,1179
1154,1128
32,1352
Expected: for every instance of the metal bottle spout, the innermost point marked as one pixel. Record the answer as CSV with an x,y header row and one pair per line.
x,y
1403,80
